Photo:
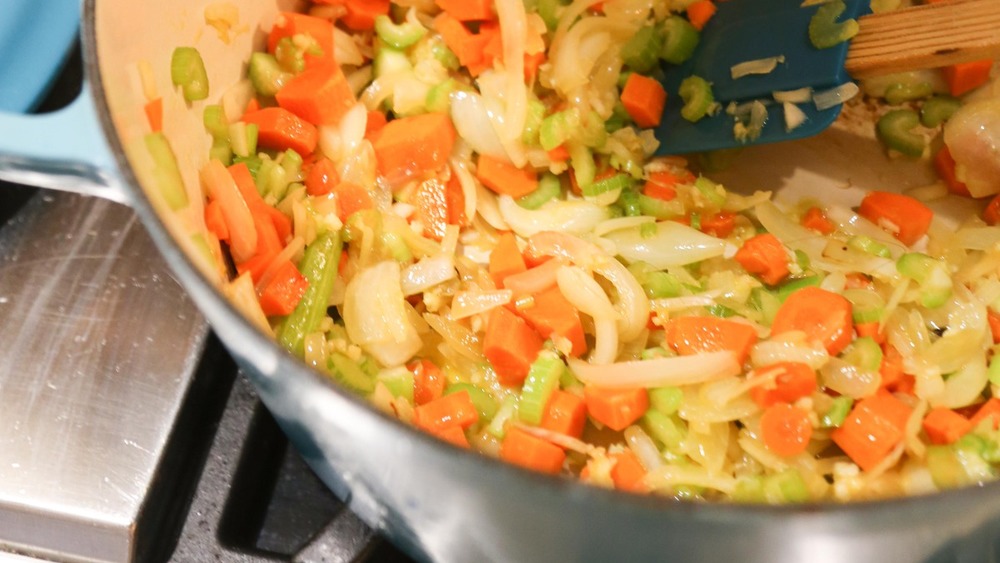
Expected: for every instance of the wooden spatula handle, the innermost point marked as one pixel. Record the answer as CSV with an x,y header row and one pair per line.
x,y
926,36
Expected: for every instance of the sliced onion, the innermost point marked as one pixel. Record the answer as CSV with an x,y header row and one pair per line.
x,y
605,227
568,216
793,96
472,121
643,447
534,280
778,349
848,379
468,303
850,222
669,477
375,315
835,96
581,290
789,232
345,50
457,337
658,372
427,273
964,386
673,244
794,116
756,66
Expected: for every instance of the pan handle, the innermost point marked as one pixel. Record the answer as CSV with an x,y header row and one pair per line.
x,y
63,150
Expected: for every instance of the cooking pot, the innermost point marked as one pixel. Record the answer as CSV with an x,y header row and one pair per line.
x,y
436,501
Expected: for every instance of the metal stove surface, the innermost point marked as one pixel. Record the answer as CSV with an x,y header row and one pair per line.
x,y
126,433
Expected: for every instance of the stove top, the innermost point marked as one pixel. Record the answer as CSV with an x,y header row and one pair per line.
x,y
129,434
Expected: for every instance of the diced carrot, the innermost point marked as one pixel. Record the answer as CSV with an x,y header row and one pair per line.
x,y
284,291
643,99
765,256
962,78
252,106
215,222
428,381
693,335
535,279
520,448
994,320
945,426
719,224
258,207
239,220
794,381
616,408
944,165
989,409
504,178
628,472
565,413
453,435
875,426
991,214
907,218
891,368
857,280
785,429
320,95
700,12
559,154
289,24
468,10
361,14
454,196
374,124
871,330
659,191
453,409
814,219
154,114
510,345
412,146
280,129
322,177
465,44
351,198
432,207
552,314
604,171
823,315
506,259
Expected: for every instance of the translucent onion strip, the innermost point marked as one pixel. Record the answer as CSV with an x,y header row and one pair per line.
x,y
427,273
468,303
658,372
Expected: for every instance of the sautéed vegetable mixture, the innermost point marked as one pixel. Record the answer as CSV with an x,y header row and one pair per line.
x,y
454,209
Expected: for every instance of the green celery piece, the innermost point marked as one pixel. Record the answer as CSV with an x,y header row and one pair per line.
x,y
319,267
591,131
655,353
266,75
396,246
930,274
348,373
399,382
549,188
895,130
993,371
498,425
938,110
698,98
166,173
291,56
793,285
869,245
221,151
558,128
187,70
864,353
665,429
439,96
390,61
749,489
543,379
659,285
549,11
643,49
721,311
611,183
214,119
767,302
243,139
532,122
659,208
837,413
443,54
629,202
867,306
485,404
666,399
787,486
647,230
398,36
712,192
584,167
824,29
945,467
900,93
680,39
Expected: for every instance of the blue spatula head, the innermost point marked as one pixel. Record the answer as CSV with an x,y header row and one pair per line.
x,y
746,30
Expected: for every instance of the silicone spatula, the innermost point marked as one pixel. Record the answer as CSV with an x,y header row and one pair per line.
x,y
926,36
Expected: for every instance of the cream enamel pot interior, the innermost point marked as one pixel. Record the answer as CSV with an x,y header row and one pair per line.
x,y
436,501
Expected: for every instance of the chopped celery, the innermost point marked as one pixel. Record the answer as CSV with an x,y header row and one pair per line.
x,y
252,162
666,399
643,49
837,413
243,139
619,118
319,267
802,259
938,109
629,202
214,118
695,220
749,488
713,193
166,173
647,230
532,122
549,11
443,54
398,36
391,61
900,92
793,285
558,128
656,352
584,167
864,353
543,379
767,302
824,29
485,404
657,284
948,465
679,40
498,426
290,52
930,274
993,372
549,188
348,373
591,132
659,208
396,246
787,486
266,75
399,381
895,129
698,99
666,429
869,245
187,70
721,311
867,306
439,96
609,184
